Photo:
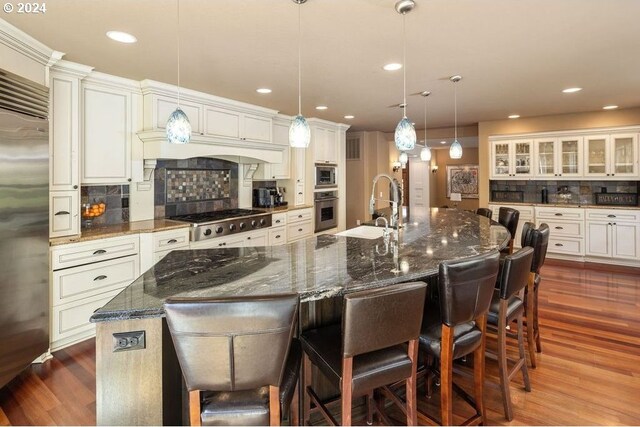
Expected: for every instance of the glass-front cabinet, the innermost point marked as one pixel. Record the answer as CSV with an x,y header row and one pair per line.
x,y
614,155
596,155
545,157
512,159
558,157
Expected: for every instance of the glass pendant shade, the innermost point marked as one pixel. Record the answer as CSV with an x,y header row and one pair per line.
x,y
403,158
178,128
405,136
425,154
455,151
299,132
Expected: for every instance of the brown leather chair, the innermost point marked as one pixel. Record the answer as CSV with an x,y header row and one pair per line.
x,y
508,218
454,326
506,306
236,357
485,212
368,350
538,239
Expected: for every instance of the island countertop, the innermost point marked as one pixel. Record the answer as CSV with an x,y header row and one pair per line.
x,y
320,267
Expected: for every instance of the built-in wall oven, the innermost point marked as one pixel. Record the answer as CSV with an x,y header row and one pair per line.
x,y
326,175
326,204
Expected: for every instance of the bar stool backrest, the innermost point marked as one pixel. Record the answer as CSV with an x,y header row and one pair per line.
x,y
526,229
538,239
508,217
514,272
230,344
466,287
381,318
485,212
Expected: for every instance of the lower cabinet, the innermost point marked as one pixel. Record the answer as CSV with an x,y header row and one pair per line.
x,y
613,234
277,236
566,226
64,215
299,224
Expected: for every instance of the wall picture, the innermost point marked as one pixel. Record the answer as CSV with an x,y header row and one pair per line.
x,y
463,179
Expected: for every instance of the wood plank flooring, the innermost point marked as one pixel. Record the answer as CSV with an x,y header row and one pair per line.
x,y
588,373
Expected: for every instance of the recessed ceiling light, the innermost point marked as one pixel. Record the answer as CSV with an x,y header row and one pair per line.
x,y
609,107
263,90
443,142
394,66
572,90
121,37
514,116
321,107
349,116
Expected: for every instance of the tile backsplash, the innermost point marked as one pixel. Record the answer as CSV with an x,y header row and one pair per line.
x,y
581,191
115,198
194,185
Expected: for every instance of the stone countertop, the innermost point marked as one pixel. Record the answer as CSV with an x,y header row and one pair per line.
x,y
564,205
134,227
315,268
279,209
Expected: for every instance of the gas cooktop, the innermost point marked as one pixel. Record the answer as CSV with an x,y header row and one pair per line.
x,y
214,216
209,225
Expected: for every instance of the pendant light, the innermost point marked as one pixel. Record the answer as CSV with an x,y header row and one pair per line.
x,y
405,135
299,132
455,151
178,125
403,158
425,153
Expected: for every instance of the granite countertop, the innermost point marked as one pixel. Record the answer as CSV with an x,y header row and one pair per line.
x,y
287,208
134,227
564,205
315,268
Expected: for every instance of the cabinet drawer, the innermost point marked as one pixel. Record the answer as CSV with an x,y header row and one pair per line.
x,y
171,239
76,254
72,319
613,215
279,219
72,284
560,228
299,193
560,213
277,236
565,246
300,230
64,213
157,256
299,215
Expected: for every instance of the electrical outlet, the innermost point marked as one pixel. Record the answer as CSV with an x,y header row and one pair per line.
x,y
357,222
381,194
125,341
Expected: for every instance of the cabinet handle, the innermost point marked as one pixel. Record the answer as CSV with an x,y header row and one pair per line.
x,y
558,214
172,241
100,252
613,174
559,228
277,236
249,238
75,187
611,216
101,277
608,175
273,177
277,221
559,244
299,216
62,213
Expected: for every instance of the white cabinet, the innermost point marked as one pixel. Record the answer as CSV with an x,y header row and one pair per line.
x,y
107,132
299,224
613,233
64,219
325,145
526,215
226,123
86,276
158,108
558,157
566,229
277,236
256,238
299,168
64,172
155,246
248,239
614,155
512,159
276,170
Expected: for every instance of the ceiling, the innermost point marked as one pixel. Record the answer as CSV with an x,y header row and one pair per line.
x,y
514,56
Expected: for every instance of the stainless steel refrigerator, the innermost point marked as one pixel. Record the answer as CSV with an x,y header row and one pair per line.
x,y
24,224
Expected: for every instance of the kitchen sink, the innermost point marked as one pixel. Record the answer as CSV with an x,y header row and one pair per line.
x,y
363,232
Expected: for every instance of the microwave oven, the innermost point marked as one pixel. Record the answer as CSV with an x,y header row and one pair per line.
x,y
326,175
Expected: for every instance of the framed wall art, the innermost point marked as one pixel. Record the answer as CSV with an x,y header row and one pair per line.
x,y
462,179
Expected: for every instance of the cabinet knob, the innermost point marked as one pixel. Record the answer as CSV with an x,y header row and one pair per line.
x,y
249,238
101,277
300,229
62,213
75,187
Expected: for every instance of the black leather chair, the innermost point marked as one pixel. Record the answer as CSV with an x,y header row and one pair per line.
x,y
236,357
368,350
485,212
454,326
508,218
506,306
538,239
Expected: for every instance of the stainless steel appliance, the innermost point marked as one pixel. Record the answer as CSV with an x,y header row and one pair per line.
x,y
209,225
268,197
326,175
24,224
326,204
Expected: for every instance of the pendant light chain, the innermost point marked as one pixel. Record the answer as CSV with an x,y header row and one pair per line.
x,y
404,65
299,60
178,4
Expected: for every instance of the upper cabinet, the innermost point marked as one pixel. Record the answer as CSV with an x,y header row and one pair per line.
x,y
162,106
325,144
598,154
225,123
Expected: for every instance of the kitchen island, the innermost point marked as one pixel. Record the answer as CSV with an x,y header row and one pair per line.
x,y
143,386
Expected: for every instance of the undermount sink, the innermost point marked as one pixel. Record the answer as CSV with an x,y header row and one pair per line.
x,y
363,232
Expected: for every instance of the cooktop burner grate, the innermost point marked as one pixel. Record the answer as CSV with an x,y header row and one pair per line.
x,y
216,215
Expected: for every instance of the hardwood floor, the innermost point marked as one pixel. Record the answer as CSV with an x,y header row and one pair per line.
x,y
588,373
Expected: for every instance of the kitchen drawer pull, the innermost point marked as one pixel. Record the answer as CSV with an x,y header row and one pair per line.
x,y
299,216
101,277
249,238
277,236
172,241
62,213
300,193
559,228
100,252
222,244
611,216
558,214
559,244
277,221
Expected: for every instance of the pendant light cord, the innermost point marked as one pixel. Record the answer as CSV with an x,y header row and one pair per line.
x,y
404,65
425,122
455,107
178,4
299,61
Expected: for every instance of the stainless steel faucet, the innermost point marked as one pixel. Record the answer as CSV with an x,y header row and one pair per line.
x,y
396,219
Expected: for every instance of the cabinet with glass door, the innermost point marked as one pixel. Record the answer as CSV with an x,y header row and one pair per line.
x,y
511,159
614,155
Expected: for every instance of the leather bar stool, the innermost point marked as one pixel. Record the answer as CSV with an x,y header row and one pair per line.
x,y
236,357
506,306
454,327
485,212
368,350
538,239
508,218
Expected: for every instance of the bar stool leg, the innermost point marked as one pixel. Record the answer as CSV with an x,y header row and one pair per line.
x,y
536,326
524,369
347,375
446,375
306,400
503,366
369,398
530,320
274,405
294,410
478,369
411,384
194,408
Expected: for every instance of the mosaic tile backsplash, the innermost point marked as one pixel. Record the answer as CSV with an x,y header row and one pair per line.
x,y
194,185
116,199
581,192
